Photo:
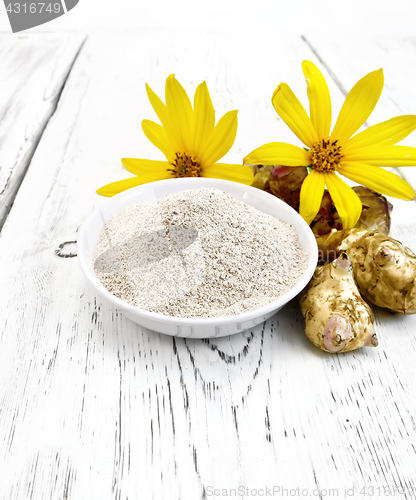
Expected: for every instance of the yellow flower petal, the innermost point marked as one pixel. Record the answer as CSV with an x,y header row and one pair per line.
x,y
279,153
319,99
358,106
157,104
229,172
119,186
185,133
346,201
172,132
220,140
385,156
294,115
180,111
379,180
311,193
204,118
157,135
383,134
139,166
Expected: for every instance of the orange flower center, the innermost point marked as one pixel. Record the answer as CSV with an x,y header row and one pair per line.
x,y
185,165
325,155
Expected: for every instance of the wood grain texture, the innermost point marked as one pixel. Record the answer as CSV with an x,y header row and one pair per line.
x,y
96,407
33,70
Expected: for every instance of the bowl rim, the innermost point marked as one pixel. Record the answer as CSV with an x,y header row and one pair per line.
x,y
312,251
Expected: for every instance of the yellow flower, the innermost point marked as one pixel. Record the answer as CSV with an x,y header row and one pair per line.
x,y
189,139
358,157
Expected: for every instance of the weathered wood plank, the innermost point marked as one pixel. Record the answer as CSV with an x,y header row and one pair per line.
x,y
93,406
33,69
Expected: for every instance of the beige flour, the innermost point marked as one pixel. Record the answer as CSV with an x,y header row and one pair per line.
x,y
197,254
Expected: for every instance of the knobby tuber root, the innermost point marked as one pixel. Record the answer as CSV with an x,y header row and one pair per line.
x,y
283,182
337,319
385,270
375,215
286,182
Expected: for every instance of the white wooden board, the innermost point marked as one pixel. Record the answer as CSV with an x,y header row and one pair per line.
x,y
33,69
96,407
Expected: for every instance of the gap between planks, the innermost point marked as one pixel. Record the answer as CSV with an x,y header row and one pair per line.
x,y
14,190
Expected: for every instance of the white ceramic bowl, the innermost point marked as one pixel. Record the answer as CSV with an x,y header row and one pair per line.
x,y
194,327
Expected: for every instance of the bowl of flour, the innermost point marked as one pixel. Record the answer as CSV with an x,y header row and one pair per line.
x,y
197,257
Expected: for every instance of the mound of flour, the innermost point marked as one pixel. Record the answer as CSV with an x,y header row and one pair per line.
x,y
197,254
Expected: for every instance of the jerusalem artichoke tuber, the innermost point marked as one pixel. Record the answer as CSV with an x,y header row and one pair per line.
x,y
286,182
283,182
375,215
337,319
385,270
